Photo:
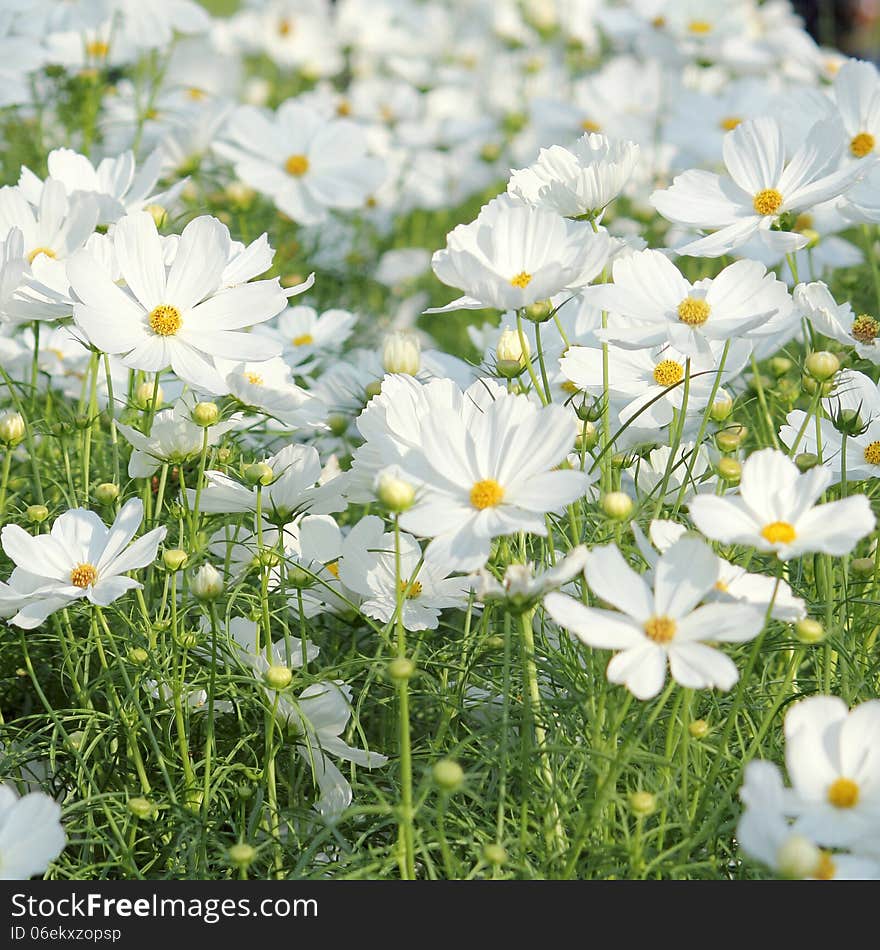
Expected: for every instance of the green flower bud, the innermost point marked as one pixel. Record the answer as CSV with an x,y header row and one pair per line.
x,y
617,505
821,365
142,808
642,803
36,514
174,559
259,474
241,855
401,668
809,631
206,414
448,775
494,854
278,677
729,469
106,493
698,729
806,460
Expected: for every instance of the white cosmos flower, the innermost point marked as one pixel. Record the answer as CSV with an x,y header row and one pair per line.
x,y
268,386
832,755
488,473
114,183
80,557
659,625
765,834
175,312
368,566
173,438
303,161
862,202
576,181
776,510
297,473
31,835
734,582
521,587
514,255
759,187
649,473
839,321
856,90
153,25
307,337
664,306
245,646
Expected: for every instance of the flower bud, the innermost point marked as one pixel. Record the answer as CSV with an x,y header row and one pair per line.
x,y
495,642
759,382
510,354
278,677
617,505
138,655
143,396
158,214
448,775
849,422
698,729
106,493
588,436
206,414
258,474
821,365
36,514
780,365
729,469
174,559
299,578
239,193
806,460
809,631
722,406
395,493
401,668
731,437
494,854
540,311
241,855
642,804
490,152
11,428
862,566
401,353
373,389
338,424
206,583
811,386
798,857
142,808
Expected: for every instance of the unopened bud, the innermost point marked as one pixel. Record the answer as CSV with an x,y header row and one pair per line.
x,y
822,365
448,775
642,803
862,566
511,354
731,437
373,389
494,854
142,808
206,583
278,677
259,474
106,493
401,668
402,353
36,514
809,631
698,729
174,559
722,406
206,414
158,214
12,428
241,855
780,365
143,396
806,460
617,505
395,493
540,311
729,469
138,655
798,857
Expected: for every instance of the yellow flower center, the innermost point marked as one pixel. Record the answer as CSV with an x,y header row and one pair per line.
x,y
865,329
83,575
660,629
768,201
37,251
521,280
97,49
343,108
693,311
668,373
304,339
778,532
730,123
165,320
411,591
285,27
588,125
333,567
872,453
862,144
721,586
486,494
826,869
569,387
254,379
700,27
658,22
843,793
297,165
195,94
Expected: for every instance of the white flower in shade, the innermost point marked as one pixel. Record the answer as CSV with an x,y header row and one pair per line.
x,y
295,487
759,187
31,835
521,587
664,306
514,255
862,202
662,625
176,312
114,183
776,511
307,337
153,25
173,438
489,473
576,181
831,755
734,582
766,834
839,321
856,90
318,717
650,382
80,558
650,473
368,566
303,161
268,386
245,646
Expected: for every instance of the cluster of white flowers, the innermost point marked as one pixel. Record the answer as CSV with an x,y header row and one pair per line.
x,y
349,473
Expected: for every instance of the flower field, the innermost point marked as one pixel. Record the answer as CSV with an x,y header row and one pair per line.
x,y
438,440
